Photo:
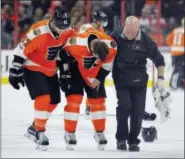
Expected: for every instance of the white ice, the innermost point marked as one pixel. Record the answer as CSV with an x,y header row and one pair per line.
x,y
17,115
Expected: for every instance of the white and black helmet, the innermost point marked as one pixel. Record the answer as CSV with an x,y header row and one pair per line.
x,y
101,17
61,18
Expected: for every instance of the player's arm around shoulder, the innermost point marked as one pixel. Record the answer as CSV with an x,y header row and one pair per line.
x,y
107,64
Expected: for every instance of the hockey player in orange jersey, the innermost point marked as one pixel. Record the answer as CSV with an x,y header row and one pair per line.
x,y
176,40
35,65
99,21
94,53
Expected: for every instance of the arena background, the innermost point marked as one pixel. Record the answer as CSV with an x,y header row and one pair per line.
x,y
157,17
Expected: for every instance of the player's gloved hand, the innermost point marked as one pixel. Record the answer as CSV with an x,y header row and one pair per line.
x,y
65,78
89,62
16,72
16,76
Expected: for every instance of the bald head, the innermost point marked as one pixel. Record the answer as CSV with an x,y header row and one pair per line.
x,y
131,27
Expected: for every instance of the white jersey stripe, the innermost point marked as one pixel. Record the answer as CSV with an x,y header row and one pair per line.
x,y
84,41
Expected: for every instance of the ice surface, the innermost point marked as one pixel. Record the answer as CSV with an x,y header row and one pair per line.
x,y
17,115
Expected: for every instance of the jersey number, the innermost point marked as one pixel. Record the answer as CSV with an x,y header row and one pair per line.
x,y
26,42
53,52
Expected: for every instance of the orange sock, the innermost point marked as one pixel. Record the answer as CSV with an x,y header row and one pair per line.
x,y
41,106
71,112
98,113
51,108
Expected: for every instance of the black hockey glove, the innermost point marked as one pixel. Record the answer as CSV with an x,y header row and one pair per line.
x,y
102,74
65,78
16,73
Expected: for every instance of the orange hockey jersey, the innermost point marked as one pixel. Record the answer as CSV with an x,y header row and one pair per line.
x,y
40,48
176,40
88,27
78,47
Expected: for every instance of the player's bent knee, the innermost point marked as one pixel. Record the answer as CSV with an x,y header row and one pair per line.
x,y
42,102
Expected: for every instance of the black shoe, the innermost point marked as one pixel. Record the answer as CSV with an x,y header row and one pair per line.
x,y
134,148
121,145
149,116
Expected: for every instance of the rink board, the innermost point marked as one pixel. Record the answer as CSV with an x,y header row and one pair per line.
x,y
7,57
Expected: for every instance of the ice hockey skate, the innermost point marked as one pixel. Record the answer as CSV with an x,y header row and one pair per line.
x,y
70,139
38,137
101,140
87,113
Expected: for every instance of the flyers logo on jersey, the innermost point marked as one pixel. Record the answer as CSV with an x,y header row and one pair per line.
x,y
113,44
72,41
36,32
90,62
53,52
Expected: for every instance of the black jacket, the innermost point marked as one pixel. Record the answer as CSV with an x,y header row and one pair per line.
x,y
130,61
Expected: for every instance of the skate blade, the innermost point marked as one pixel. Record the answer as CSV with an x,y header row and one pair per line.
x,y
70,147
30,137
41,147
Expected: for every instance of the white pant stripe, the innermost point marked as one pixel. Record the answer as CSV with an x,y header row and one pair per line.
x,y
71,116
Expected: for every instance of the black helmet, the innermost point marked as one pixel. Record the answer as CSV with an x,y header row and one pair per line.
x,y
101,17
149,134
61,18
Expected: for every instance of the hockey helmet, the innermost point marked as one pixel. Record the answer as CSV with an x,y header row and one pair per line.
x,y
149,134
61,18
100,17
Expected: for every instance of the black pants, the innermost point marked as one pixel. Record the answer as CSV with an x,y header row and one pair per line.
x,y
178,76
78,85
131,102
39,84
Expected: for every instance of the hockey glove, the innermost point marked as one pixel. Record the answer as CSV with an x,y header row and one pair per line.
x,y
162,100
65,79
16,73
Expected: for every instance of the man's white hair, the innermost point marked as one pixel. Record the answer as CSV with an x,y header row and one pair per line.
x,y
131,20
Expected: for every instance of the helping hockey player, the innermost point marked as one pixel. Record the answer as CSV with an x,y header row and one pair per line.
x,y
94,53
99,21
34,64
130,78
176,40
